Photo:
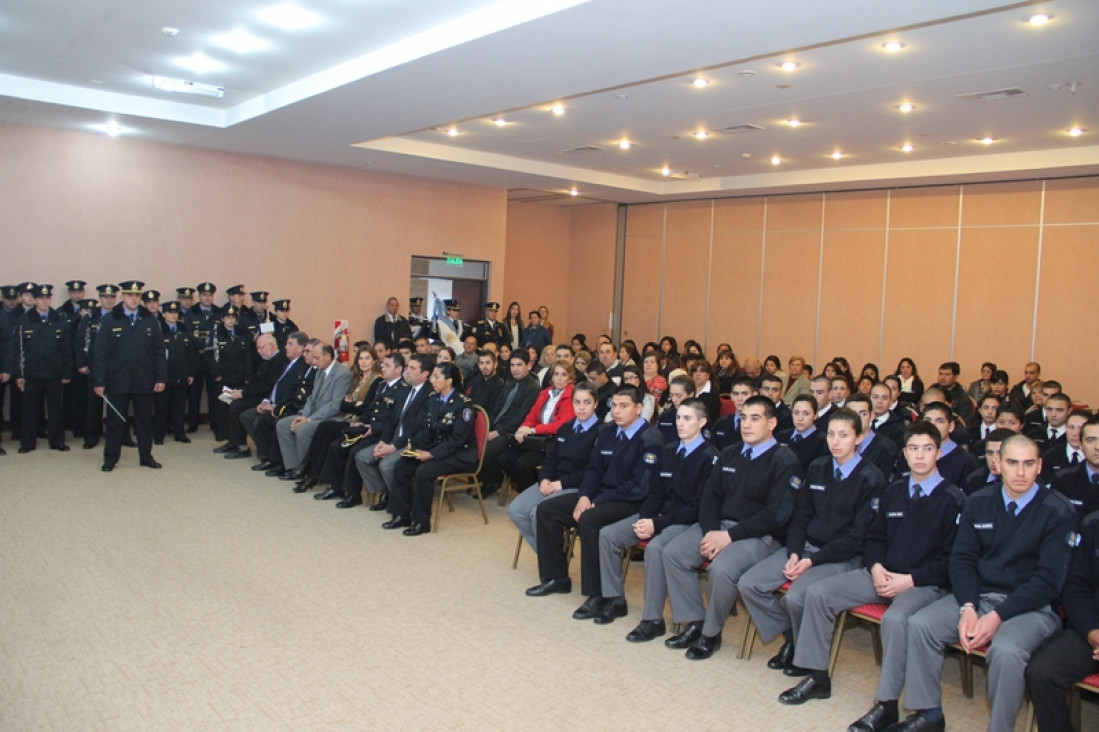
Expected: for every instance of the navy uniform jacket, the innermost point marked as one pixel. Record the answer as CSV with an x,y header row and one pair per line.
x,y
283,331
1073,483
568,454
44,348
129,357
179,354
229,355
392,332
834,515
1023,557
621,470
383,410
1081,595
883,452
448,428
7,345
84,343
201,324
665,422
807,449
69,312
758,494
489,331
1055,460
250,322
1040,434
893,427
676,491
726,433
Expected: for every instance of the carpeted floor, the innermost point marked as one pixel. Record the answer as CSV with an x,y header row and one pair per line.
x,y
205,596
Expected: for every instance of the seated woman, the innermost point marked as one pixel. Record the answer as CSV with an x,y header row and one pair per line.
x,y
503,370
545,362
981,386
580,363
627,354
702,374
680,388
446,355
632,375
669,347
911,383
579,343
552,409
773,366
727,369
650,369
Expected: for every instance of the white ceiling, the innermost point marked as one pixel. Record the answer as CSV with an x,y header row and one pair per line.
x,y
375,82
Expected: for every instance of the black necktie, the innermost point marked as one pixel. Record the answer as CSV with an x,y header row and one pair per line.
x,y
839,475
1075,458
1095,478
133,318
747,453
917,491
682,451
1012,507
621,436
797,438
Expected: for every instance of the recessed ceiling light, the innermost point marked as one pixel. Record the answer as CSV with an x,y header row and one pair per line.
x,y
665,171
746,73
500,122
987,140
289,16
200,63
452,131
112,129
574,192
892,46
558,110
170,31
624,144
789,65
240,41
1075,132
701,134
907,147
700,83
1039,19
776,160
182,86
794,122
906,107
837,155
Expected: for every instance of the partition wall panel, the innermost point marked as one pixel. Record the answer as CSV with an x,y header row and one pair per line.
x,y
851,294
791,270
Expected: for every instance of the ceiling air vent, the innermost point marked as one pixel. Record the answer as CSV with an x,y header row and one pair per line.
x,y
582,150
992,96
739,128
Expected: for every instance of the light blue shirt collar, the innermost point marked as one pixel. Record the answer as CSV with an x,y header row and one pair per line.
x,y
928,485
632,430
1022,501
761,448
578,426
689,447
847,468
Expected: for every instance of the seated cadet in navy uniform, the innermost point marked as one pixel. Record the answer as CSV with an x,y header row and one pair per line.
x,y
446,444
1008,564
563,467
770,386
743,513
44,364
1051,433
804,438
955,462
1073,655
959,431
985,419
671,507
596,374
1080,483
876,448
821,388
824,539
726,430
680,389
886,422
170,405
1071,453
989,470
905,560
618,478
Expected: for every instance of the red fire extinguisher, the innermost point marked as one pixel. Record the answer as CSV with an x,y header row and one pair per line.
x,y
342,341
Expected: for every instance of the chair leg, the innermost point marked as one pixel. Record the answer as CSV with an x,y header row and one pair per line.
x,y
570,544
1028,725
518,548
966,663
875,641
625,564
439,507
480,499
837,639
505,490
748,640
1074,707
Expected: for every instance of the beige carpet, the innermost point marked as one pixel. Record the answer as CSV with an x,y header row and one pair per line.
x,y
206,597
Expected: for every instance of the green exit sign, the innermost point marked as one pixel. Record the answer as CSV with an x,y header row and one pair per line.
x,y
459,261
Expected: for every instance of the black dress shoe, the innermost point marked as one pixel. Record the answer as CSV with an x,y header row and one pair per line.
x,y
397,522
328,495
222,449
550,587
238,453
296,474
107,467
783,658
808,688
350,502
704,647
300,488
647,630
276,472
876,720
192,430
309,483
25,450
264,465
684,639
416,528
382,503
129,443
918,723
150,463
613,608
489,490
60,448
590,608
90,445
183,438
3,451
794,671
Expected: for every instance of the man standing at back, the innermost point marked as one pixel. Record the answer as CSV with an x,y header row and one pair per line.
x,y
391,327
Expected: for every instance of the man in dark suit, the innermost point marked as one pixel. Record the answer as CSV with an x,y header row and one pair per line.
x,y
1020,393
170,405
259,422
515,400
43,365
1052,433
201,319
73,394
391,327
1080,483
1071,453
272,365
485,386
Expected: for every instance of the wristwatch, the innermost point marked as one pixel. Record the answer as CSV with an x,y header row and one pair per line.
x,y
966,606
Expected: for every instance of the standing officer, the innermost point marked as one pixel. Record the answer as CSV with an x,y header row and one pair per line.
x,y
45,363
185,296
201,319
448,328
170,405
421,326
229,358
84,354
391,327
150,300
129,367
490,329
9,296
252,318
284,326
73,399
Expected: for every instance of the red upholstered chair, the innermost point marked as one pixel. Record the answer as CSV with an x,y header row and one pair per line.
x,y
727,406
1091,684
869,615
749,638
464,481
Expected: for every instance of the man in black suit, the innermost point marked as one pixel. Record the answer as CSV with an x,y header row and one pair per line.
x,y
1059,457
1020,393
272,365
391,327
1051,434
515,400
201,319
43,342
485,386
1080,483
259,422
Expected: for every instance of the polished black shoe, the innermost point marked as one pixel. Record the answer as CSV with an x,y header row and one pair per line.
x,y
309,483
350,502
684,639
589,609
917,723
90,445
550,587
294,474
876,720
25,450
150,463
183,438
416,528
808,688
647,630
783,658
107,467
382,503
222,449
795,671
60,448
264,465
300,488
397,522
237,454
3,451
704,647
276,472
328,495
613,608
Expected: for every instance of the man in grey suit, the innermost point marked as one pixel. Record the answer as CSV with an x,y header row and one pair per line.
x,y
331,383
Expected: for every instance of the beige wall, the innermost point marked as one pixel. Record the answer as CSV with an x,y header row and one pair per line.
x,y
968,273
335,240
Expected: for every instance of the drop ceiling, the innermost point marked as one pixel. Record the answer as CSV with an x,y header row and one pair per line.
x,y
376,84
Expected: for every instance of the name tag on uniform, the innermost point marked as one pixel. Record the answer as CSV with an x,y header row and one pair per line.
x,y
816,487
1076,503
607,453
984,526
666,475
894,514
560,439
728,469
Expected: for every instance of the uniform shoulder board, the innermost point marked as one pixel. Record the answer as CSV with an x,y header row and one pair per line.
x,y
795,482
467,414
1090,518
649,458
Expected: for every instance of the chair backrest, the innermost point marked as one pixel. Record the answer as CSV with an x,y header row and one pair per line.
x,y
480,432
727,407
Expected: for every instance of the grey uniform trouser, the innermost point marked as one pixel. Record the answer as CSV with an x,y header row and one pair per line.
x,y
774,614
377,474
524,508
615,537
682,559
827,599
1008,654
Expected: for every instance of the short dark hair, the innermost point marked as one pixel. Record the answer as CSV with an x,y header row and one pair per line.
x,y
1008,408
683,382
999,377
808,399
328,350
993,397
844,414
744,381
631,391
396,358
999,434
771,378
1060,397
697,406
299,337
426,361
1052,382
859,398
938,407
762,401
952,365
925,428
595,367
585,386
405,343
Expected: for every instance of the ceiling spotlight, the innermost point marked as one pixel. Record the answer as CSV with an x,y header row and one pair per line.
x,y
907,147
624,144
701,134
987,140
1039,19
746,73
776,160
200,63
289,16
836,155
794,122
789,65
170,31
183,86
452,131
500,122
665,171
112,129
700,83
1075,132
892,46
574,192
240,41
906,107
558,110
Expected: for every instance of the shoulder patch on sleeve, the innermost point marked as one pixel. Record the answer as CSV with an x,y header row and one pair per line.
x,y
649,458
1073,539
875,503
795,482
467,414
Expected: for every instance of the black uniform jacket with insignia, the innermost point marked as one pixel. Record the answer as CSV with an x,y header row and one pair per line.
x,y
179,352
129,356
622,470
678,486
43,347
448,429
